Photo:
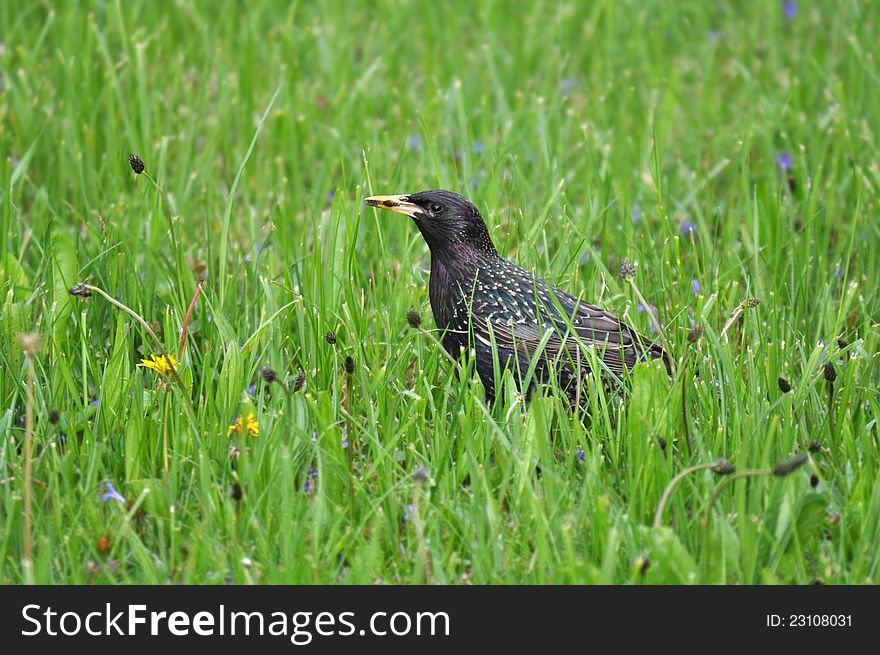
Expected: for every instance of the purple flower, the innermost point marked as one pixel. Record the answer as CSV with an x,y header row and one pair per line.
x,y
585,257
474,182
414,142
789,9
95,402
581,454
636,213
410,510
311,480
695,286
688,228
252,389
713,36
784,161
330,195
345,444
314,436
478,147
111,494
651,309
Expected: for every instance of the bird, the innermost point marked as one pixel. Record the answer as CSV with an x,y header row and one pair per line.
x,y
505,316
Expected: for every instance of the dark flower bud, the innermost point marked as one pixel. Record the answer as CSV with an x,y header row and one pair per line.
x,y
789,466
829,372
751,302
723,467
814,447
661,442
268,374
695,334
414,319
299,381
421,474
643,564
349,365
784,385
54,417
80,290
235,491
841,343
627,270
814,480
136,163
330,338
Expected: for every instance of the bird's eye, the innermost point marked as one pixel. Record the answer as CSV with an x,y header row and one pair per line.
x,y
435,208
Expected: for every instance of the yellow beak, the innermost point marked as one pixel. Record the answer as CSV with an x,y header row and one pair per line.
x,y
399,204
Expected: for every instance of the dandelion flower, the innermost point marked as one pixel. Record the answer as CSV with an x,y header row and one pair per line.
x,y
244,425
163,364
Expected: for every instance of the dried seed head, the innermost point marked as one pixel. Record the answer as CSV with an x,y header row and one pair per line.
x,y
627,270
814,480
842,343
661,442
814,447
643,564
421,474
784,385
829,372
723,467
751,302
268,374
54,417
789,466
30,342
136,163
695,334
80,290
330,338
235,491
299,381
349,365
414,319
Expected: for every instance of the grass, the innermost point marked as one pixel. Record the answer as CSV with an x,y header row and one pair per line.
x,y
588,133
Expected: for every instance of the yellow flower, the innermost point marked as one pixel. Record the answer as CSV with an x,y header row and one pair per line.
x,y
163,364
248,425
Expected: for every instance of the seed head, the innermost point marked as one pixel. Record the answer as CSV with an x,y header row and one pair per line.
x,y
299,381
30,342
841,343
136,163
814,447
814,480
695,333
790,465
414,319
421,474
349,365
268,374
80,290
723,467
235,491
829,372
784,385
54,417
627,270
751,302
330,338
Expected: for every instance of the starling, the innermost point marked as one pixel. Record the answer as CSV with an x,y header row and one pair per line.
x,y
475,291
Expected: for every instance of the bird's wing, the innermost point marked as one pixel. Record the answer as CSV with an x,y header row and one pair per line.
x,y
535,313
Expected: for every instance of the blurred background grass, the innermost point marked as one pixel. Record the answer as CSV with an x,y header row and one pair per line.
x,y
728,149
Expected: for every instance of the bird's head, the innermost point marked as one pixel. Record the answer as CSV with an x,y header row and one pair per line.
x,y
447,221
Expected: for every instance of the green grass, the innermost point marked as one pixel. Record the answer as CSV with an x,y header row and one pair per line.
x,y
563,122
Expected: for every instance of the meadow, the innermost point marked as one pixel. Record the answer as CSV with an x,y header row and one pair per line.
x,y
312,431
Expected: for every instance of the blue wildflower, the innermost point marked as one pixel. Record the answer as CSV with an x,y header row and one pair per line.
x,y
784,161
414,142
111,494
789,9
311,480
636,213
345,444
581,454
688,228
478,147
252,389
331,195
695,286
585,257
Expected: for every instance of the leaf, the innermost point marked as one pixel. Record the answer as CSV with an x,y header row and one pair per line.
x,y
63,277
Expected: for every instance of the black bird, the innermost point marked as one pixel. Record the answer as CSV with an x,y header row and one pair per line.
x,y
480,299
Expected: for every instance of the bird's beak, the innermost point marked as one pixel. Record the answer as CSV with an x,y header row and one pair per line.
x,y
399,204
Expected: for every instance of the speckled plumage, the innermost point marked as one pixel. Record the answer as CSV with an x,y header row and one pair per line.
x,y
479,299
